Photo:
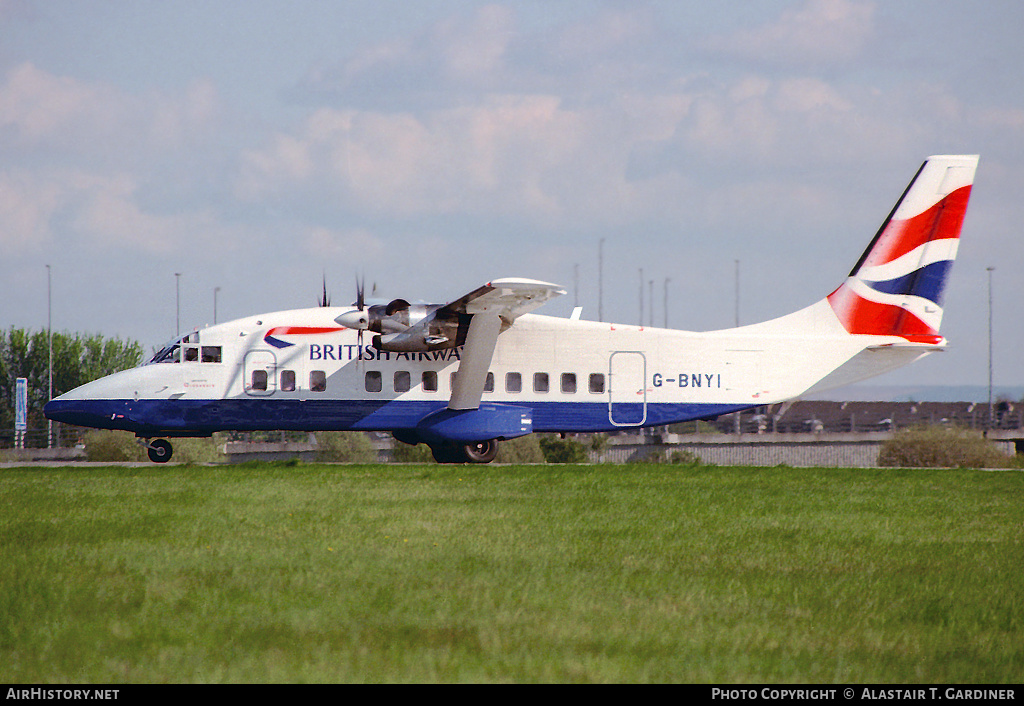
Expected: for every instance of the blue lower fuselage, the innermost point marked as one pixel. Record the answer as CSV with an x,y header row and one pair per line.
x,y
152,418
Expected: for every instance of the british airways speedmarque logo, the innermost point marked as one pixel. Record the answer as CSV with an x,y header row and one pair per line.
x,y
271,337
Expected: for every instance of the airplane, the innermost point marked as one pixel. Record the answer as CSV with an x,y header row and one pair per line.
x,y
463,376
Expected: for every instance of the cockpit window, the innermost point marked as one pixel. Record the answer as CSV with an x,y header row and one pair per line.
x,y
167,354
186,348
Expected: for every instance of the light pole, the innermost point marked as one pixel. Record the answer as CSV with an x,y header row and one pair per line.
x,y
737,293
665,303
600,280
576,285
177,304
641,322
990,415
650,300
49,338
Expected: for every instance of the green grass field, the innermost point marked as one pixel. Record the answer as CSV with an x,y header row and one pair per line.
x,y
272,573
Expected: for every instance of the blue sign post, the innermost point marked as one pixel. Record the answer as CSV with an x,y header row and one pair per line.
x,y
20,411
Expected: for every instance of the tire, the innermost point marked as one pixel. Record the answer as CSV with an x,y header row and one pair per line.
x,y
481,452
160,451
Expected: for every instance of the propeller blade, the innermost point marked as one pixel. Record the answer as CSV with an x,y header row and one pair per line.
x,y
324,299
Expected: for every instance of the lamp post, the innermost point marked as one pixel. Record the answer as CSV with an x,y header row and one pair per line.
x,y
600,280
737,293
650,299
641,322
576,285
665,302
177,304
990,415
49,338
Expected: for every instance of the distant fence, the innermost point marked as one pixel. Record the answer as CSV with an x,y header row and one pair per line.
x,y
797,450
860,417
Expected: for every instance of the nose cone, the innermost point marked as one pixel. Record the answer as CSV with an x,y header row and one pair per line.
x,y
354,319
98,414
101,404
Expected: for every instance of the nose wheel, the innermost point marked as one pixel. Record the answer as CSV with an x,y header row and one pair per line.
x,y
159,450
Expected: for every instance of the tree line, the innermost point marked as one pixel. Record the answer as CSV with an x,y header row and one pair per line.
x,y
77,359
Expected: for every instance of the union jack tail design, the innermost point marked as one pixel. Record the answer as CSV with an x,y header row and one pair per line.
x,y
896,288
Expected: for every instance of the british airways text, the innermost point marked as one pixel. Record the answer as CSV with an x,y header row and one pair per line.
x,y
352,351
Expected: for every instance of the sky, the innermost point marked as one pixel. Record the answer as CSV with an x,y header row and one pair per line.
x,y
260,148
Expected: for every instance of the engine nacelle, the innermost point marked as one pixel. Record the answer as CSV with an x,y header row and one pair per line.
x,y
409,328
397,316
437,334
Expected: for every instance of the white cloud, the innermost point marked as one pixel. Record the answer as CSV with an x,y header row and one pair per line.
x,y
27,205
534,158
43,111
818,31
475,50
356,244
61,207
494,156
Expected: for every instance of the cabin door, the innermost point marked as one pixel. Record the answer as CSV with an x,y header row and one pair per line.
x,y
260,370
627,389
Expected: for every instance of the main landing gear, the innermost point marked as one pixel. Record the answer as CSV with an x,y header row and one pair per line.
x,y
159,450
478,452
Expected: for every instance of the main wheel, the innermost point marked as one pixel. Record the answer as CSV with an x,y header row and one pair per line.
x,y
481,452
160,451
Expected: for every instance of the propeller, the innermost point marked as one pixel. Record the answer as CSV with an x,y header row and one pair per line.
x,y
394,319
324,299
358,318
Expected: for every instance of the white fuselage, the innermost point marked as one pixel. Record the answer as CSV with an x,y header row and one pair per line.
x,y
300,370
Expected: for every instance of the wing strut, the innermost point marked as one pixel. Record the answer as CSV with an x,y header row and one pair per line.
x,y
476,359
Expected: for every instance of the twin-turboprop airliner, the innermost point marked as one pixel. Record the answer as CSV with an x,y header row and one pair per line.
x,y
462,376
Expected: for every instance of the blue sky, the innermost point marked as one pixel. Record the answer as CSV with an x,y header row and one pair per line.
x,y
259,146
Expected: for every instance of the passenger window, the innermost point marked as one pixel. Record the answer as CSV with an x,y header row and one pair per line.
x,y
569,383
540,382
597,383
211,354
288,381
429,381
374,382
489,383
513,382
191,355
403,381
259,380
317,381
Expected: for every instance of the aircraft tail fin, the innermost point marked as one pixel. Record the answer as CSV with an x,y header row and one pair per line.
x,y
896,288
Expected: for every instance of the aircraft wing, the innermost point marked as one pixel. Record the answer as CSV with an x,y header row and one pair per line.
x,y
508,298
492,305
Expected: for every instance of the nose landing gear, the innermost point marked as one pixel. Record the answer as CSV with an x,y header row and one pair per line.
x,y
159,450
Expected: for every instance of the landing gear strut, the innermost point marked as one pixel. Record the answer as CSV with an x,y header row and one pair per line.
x,y
478,452
160,450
